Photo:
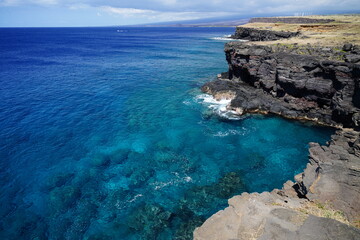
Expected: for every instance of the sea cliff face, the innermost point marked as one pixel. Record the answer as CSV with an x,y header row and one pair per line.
x,y
261,35
314,83
291,85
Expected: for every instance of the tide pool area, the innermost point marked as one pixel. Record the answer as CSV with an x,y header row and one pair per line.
x,y
105,134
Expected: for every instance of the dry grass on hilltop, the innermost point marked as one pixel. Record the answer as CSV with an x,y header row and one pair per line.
x,y
345,29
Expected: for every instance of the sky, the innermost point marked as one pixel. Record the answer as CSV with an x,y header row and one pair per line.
x,y
72,13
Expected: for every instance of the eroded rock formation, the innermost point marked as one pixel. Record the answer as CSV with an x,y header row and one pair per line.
x,y
331,181
321,84
290,85
261,35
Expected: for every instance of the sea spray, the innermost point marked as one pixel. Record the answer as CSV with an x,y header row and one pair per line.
x,y
219,107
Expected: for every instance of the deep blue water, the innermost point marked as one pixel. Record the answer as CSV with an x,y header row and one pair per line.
x,y
104,134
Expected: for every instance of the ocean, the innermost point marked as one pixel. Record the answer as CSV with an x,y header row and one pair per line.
x,y
105,134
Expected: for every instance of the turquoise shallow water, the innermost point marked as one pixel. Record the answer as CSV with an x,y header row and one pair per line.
x,y
105,134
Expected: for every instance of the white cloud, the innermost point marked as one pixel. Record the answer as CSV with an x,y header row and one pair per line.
x,y
159,15
172,10
125,11
28,2
79,6
235,6
45,2
168,2
9,2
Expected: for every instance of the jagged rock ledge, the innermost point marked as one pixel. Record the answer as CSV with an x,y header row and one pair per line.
x,y
263,79
321,85
261,35
321,204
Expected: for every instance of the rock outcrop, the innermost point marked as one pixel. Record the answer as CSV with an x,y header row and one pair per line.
x,y
289,20
291,85
330,181
261,35
333,174
321,84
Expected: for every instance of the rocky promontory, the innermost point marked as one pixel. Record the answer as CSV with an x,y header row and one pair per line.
x,y
289,84
261,35
302,81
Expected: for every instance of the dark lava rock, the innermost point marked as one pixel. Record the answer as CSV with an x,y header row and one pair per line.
x,y
347,47
253,34
352,58
290,85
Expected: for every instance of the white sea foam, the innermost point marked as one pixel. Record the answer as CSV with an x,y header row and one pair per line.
x,y
187,179
160,185
207,98
187,102
120,204
219,107
230,133
135,197
177,180
228,38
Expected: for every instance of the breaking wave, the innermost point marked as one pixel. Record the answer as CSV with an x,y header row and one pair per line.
x,y
218,107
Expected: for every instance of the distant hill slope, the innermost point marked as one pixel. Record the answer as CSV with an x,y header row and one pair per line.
x,y
289,20
199,23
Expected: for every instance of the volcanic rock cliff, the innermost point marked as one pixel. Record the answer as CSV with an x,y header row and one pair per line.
x,y
261,35
306,82
290,85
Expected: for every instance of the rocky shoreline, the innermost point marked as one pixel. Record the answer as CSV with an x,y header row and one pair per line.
x,y
321,204
316,83
290,85
261,35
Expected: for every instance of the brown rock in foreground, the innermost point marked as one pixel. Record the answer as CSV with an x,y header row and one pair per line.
x,y
331,179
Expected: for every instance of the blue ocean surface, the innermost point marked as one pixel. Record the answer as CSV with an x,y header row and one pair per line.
x,y
104,134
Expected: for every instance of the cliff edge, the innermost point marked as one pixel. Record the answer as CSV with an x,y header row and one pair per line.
x,y
312,82
300,86
321,204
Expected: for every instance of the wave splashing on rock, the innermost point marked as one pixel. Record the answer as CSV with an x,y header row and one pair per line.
x,y
220,107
